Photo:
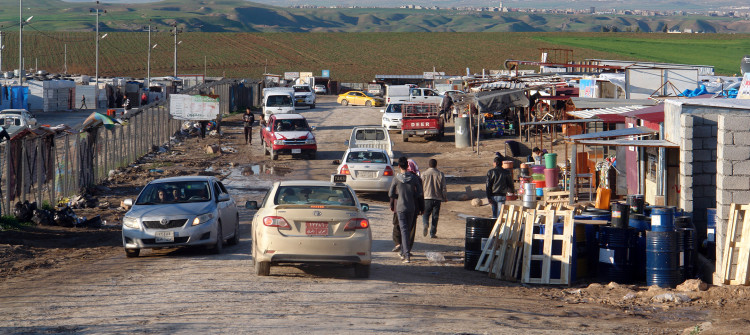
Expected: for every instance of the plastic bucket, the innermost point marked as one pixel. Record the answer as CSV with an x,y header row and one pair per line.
x,y
662,219
537,176
538,169
615,263
508,165
540,183
637,203
662,259
551,177
620,213
539,192
476,230
550,160
525,169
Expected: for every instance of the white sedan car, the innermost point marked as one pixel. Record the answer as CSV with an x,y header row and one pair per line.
x,y
307,221
366,170
392,116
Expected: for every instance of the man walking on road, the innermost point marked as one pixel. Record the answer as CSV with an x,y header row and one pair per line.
x,y
83,102
248,119
499,184
435,192
408,188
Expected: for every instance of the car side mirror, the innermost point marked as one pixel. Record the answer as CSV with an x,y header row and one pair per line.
x,y
313,128
268,128
365,207
251,204
128,202
224,197
346,143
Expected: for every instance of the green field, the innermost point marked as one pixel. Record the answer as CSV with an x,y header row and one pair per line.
x,y
355,57
723,51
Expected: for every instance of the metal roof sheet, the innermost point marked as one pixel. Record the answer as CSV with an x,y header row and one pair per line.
x,y
589,113
613,133
591,103
631,143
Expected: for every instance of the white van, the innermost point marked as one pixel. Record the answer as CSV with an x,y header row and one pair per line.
x,y
278,100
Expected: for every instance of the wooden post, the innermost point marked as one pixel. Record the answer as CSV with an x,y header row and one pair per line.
x,y
7,178
24,163
39,163
572,181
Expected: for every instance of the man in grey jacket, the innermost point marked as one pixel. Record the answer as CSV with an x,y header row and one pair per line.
x,y
408,188
435,192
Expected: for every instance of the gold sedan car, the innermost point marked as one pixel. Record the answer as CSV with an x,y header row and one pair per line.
x,y
311,222
359,98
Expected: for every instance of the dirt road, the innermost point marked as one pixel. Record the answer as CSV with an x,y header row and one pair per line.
x,y
190,291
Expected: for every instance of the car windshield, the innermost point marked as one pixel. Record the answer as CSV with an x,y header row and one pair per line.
x,y
291,125
10,120
279,101
366,157
174,192
301,88
394,108
314,195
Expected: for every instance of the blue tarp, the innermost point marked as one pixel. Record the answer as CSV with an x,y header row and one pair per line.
x,y
694,93
19,97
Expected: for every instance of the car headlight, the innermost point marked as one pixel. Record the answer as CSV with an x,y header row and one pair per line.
x,y
131,222
310,141
385,119
201,219
278,142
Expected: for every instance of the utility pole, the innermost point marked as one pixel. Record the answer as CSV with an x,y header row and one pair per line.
x,y
20,43
149,28
175,32
96,84
2,46
65,65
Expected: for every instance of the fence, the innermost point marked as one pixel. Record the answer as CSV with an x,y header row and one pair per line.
x,y
46,165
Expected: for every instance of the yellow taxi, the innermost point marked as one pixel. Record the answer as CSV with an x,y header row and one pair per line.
x,y
360,98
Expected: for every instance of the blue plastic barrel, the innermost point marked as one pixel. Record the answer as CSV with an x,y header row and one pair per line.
x,y
639,222
615,261
662,219
662,259
711,224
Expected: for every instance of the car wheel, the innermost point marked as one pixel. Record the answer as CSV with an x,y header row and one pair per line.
x,y
312,106
236,238
312,155
405,137
262,268
362,270
274,155
219,245
368,103
265,149
130,253
344,103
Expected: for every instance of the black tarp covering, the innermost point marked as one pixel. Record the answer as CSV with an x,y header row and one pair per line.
x,y
496,101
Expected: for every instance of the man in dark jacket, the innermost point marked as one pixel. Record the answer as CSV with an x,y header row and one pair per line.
x,y
408,188
499,184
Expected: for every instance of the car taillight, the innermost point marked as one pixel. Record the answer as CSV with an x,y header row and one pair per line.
x,y
276,221
388,171
354,224
345,170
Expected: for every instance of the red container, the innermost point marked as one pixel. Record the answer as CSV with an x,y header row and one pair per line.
x,y
539,183
552,177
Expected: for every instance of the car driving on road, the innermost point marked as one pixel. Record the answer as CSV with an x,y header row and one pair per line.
x,y
366,169
306,221
181,211
288,134
392,116
14,120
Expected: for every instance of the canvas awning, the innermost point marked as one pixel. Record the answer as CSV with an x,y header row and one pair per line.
x,y
636,131
492,101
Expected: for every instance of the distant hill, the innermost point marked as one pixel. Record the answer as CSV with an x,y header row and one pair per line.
x,y
244,16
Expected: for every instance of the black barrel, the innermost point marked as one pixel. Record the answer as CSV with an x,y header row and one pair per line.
x,y
662,259
683,222
620,214
639,257
615,261
637,203
687,252
476,229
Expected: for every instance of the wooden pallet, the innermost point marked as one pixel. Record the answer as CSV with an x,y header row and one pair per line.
x,y
737,246
557,198
501,256
546,257
488,252
509,266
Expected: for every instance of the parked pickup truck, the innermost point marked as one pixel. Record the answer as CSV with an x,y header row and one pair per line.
x,y
371,137
288,134
409,93
420,119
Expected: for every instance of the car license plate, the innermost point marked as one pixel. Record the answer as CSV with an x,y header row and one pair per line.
x,y
164,236
316,228
339,178
366,174
296,151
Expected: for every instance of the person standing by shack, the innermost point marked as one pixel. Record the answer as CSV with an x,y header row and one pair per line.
x,y
499,184
248,119
435,192
83,102
410,203
445,107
